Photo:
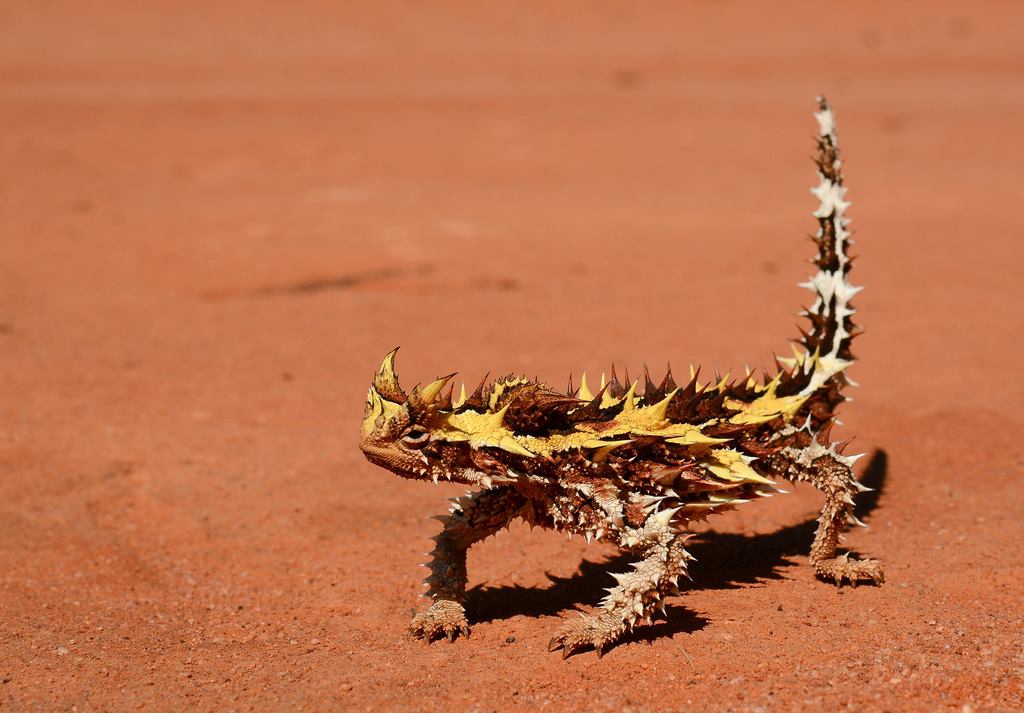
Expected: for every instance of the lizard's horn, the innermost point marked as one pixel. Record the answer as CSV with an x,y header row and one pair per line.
x,y
386,381
428,393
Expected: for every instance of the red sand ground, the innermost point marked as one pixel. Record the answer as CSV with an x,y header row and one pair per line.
x,y
215,222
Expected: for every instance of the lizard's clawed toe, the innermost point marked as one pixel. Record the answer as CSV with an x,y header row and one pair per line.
x,y
444,619
593,632
846,568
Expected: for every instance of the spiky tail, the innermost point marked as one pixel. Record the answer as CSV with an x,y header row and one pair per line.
x,y
832,329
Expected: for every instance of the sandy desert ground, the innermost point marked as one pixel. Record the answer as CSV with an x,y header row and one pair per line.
x,y
216,219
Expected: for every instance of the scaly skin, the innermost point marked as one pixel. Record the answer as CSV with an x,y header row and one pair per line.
x,y
634,466
472,518
638,594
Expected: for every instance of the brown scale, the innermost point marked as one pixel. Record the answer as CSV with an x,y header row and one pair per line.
x,y
535,410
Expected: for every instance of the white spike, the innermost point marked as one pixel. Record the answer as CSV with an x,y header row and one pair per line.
x,y
664,517
826,124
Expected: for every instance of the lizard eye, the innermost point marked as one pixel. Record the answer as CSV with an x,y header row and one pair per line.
x,y
415,438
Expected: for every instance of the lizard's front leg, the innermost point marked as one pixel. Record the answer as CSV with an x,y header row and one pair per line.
x,y
473,518
638,593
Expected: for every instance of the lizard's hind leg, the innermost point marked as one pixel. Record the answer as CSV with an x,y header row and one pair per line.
x,y
473,518
808,461
638,594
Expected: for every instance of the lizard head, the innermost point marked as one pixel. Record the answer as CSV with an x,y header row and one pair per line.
x,y
425,436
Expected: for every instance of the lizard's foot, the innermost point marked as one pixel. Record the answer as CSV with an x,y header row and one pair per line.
x,y
845,567
444,618
598,631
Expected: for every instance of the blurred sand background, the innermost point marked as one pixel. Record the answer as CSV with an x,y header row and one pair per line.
x,y
216,218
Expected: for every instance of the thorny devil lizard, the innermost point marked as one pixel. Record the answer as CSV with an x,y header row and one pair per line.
x,y
635,468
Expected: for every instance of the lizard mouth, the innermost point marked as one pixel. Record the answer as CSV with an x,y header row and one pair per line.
x,y
454,466
398,462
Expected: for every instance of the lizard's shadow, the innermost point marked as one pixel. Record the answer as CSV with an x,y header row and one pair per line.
x,y
724,561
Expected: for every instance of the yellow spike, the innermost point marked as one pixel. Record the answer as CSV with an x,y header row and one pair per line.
x,y
811,362
584,390
693,374
727,464
462,397
603,448
374,408
429,392
723,382
386,381
387,367
628,404
378,410
788,362
602,381
498,417
695,438
510,444
657,411
757,478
